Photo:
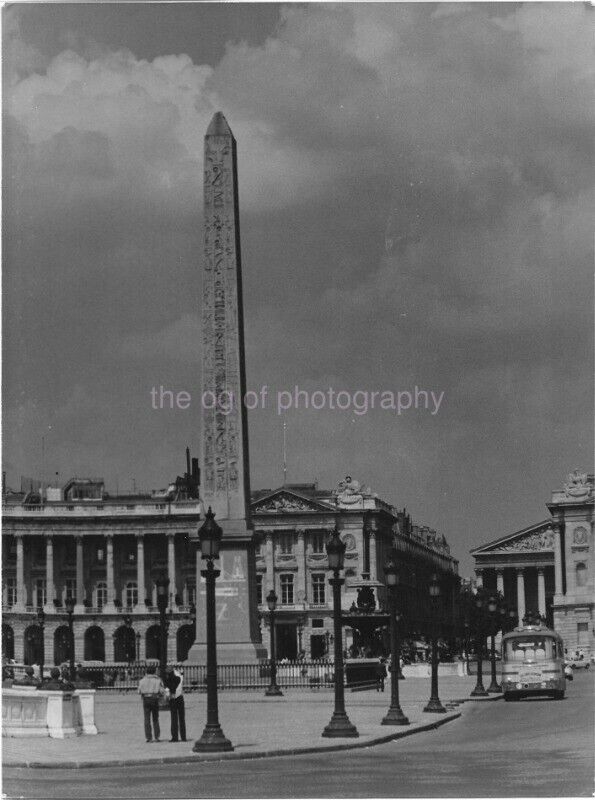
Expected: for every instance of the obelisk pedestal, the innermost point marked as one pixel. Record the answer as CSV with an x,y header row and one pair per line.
x,y
225,472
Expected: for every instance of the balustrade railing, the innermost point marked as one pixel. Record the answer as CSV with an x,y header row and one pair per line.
x,y
299,675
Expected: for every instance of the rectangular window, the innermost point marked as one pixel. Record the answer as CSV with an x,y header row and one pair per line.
x,y
101,594
318,623
131,594
259,589
100,555
40,592
318,540
11,591
318,586
70,589
286,589
286,543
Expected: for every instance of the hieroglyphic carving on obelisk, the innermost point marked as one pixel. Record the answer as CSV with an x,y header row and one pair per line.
x,y
225,470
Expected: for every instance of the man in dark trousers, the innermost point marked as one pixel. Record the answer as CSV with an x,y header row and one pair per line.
x,y
174,685
149,688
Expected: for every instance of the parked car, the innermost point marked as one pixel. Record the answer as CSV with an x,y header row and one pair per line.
x,y
577,663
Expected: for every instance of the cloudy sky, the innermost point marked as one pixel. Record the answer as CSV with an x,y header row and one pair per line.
x,y
416,189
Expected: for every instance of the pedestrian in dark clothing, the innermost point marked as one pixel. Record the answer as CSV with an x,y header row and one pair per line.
x,y
381,674
174,685
150,688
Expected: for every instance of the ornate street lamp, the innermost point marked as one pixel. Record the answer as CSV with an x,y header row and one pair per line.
x,y
273,690
69,604
162,584
41,621
467,628
479,690
339,726
212,739
395,714
434,705
494,687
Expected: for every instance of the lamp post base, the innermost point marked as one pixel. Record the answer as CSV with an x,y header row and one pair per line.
x,y
435,706
340,726
395,716
494,688
273,691
212,741
479,691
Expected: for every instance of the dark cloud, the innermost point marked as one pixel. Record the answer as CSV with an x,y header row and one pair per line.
x,y
416,191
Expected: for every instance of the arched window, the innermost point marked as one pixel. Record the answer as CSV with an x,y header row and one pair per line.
x,y
101,594
124,644
61,644
94,644
34,650
581,574
184,641
152,642
7,642
131,594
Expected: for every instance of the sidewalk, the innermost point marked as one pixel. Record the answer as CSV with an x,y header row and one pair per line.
x,y
257,726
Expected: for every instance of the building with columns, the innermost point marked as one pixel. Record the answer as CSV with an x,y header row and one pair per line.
x,y
106,553
548,567
292,524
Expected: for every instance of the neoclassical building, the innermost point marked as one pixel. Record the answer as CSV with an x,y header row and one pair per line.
x,y
292,524
548,567
107,552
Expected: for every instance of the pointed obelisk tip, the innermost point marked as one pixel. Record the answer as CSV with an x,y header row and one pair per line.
x,y
219,126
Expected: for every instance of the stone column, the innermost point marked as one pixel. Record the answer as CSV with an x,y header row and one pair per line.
x,y
300,554
479,578
140,570
109,575
21,588
80,576
557,560
372,540
269,558
541,590
171,566
500,580
520,591
50,591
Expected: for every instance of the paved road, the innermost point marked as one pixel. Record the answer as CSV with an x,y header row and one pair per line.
x,y
538,748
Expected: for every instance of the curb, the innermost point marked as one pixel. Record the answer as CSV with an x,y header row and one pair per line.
x,y
194,758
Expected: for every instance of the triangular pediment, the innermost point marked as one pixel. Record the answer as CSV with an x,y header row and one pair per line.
x,y
283,501
536,537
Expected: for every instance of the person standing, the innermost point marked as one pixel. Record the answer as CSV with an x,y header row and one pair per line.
x,y
150,688
174,685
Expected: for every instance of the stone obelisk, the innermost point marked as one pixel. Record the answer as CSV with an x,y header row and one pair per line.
x,y
225,474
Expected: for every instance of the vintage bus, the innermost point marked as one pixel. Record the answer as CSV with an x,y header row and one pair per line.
x,y
533,663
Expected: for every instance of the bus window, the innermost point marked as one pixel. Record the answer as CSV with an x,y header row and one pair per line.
x,y
530,648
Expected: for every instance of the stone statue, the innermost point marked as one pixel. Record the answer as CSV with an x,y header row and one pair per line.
x,y
577,485
349,492
365,599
